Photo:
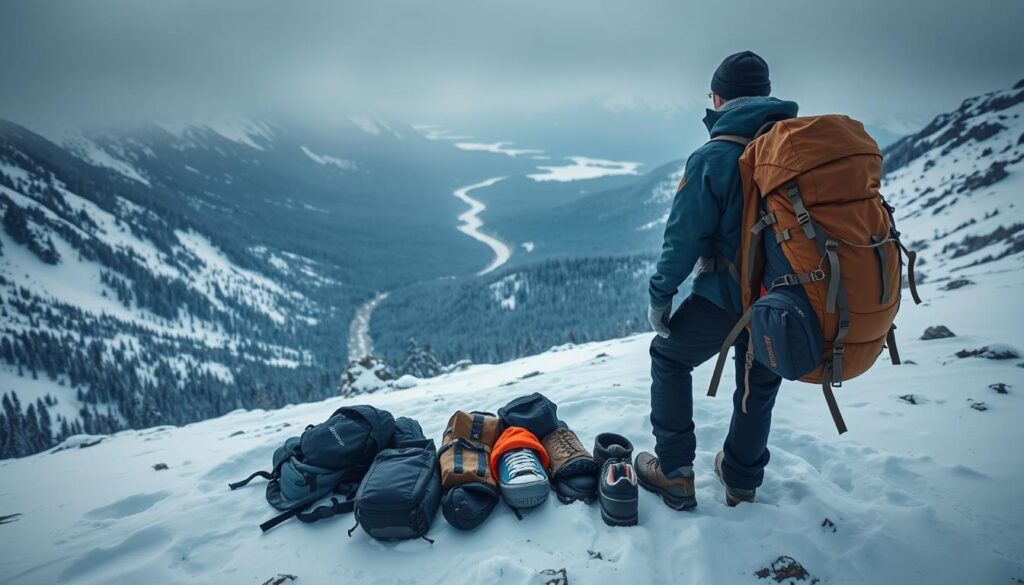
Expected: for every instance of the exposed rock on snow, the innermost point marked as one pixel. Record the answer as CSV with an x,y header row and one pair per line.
x,y
366,376
279,579
9,518
958,283
937,332
1000,388
786,570
996,351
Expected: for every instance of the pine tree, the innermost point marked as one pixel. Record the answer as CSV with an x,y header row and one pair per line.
x,y
15,223
420,361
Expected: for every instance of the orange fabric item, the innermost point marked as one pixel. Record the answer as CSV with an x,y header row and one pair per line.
x,y
516,438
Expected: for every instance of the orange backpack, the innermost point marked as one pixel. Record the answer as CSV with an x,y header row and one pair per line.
x,y
811,187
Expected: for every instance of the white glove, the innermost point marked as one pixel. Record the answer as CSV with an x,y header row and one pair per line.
x,y
658,316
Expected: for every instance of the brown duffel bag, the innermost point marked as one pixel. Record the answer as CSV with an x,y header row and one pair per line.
x,y
471,490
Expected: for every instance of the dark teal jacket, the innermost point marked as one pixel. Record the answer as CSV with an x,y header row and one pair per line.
x,y
706,212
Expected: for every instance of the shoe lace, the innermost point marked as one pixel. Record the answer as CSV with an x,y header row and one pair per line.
x,y
564,446
654,465
520,462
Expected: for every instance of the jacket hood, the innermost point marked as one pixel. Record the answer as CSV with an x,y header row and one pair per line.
x,y
744,116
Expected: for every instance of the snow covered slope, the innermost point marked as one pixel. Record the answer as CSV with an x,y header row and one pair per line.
x,y
923,489
117,301
217,260
957,187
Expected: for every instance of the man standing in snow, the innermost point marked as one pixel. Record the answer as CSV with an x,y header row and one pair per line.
x,y
704,229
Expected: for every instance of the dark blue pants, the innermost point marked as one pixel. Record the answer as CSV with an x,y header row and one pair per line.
x,y
698,329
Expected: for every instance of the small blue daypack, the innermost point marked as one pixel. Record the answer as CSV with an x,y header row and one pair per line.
x,y
331,457
785,333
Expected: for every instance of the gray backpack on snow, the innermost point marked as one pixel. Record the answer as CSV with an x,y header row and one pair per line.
x,y
401,493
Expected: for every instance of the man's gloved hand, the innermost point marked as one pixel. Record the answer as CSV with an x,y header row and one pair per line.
x,y
658,316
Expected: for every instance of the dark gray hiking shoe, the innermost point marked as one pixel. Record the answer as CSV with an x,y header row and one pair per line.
x,y
733,496
677,493
617,493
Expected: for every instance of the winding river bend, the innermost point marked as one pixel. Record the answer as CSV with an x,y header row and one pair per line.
x,y
360,344
471,224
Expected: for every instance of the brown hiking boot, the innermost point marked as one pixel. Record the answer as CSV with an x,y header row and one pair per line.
x,y
573,469
677,493
733,496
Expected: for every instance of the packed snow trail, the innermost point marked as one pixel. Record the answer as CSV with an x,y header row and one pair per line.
x,y
471,224
360,344
913,494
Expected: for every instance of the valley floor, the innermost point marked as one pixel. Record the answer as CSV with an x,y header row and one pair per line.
x,y
914,493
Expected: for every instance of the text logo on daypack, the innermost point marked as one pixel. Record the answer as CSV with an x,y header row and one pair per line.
x,y
771,352
336,436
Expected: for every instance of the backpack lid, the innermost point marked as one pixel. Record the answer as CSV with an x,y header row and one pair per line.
x,y
795,146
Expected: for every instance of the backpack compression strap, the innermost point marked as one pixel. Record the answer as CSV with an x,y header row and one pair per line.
x,y
316,514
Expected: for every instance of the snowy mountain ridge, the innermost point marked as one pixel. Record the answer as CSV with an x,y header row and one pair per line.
x,y
956,185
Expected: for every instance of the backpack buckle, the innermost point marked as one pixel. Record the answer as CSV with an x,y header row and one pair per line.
x,y
803,217
817,275
785,280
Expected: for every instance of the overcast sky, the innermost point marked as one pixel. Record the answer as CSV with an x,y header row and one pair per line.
x,y
97,62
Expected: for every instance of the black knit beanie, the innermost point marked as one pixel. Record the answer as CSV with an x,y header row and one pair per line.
x,y
742,74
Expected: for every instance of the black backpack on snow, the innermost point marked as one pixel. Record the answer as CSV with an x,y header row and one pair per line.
x,y
400,494
331,457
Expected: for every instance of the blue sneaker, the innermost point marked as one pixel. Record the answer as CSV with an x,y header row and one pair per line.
x,y
522,479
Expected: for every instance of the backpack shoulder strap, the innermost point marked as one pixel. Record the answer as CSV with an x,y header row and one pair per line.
x,y
741,140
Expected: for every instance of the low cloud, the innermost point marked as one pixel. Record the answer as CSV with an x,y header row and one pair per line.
x,y
122,61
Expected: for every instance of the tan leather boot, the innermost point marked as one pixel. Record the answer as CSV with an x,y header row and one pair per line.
x,y
733,496
677,493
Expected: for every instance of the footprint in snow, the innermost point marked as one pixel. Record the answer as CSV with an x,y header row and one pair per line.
x,y
108,564
129,506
